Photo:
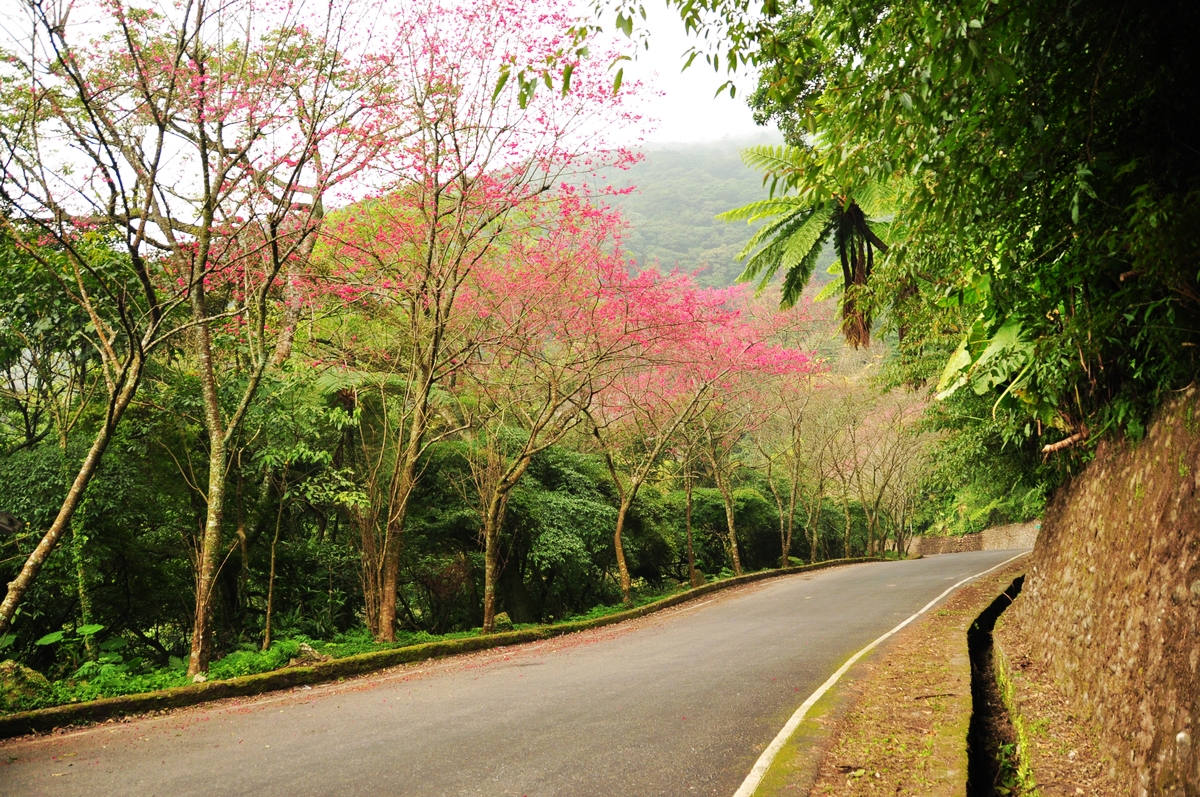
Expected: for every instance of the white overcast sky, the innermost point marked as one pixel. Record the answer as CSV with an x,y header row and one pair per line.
x,y
687,111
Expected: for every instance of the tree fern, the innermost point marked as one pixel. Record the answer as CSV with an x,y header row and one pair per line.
x,y
798,227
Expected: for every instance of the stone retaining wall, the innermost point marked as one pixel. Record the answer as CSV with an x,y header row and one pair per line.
x,y
999,538
1111,606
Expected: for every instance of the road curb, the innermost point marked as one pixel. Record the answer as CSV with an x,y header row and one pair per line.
x,y
45,719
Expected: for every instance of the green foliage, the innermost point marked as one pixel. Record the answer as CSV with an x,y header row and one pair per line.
x,y
249,659
978,479
1047,224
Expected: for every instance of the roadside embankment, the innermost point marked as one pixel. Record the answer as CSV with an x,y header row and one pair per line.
x,y
1110,613
45,719
900,724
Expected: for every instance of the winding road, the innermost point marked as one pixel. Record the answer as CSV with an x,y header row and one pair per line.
x,y
678,703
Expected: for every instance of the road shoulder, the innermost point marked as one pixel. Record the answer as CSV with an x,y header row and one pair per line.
x,y
900,721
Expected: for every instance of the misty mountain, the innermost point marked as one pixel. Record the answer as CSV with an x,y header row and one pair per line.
x,y
678,189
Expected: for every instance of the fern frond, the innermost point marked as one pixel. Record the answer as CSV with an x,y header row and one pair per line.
x,y
883,229
774,160
795,248
876,198
761,209
781,228
801,242
334,380
832,288
774,242
762,266
798,276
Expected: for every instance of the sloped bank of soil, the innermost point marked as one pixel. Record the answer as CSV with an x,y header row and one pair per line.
x,y
1111,602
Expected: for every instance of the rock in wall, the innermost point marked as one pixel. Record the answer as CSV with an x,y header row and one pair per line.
x,y
1112,600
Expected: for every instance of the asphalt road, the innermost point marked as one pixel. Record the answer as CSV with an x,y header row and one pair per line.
x,y
678,703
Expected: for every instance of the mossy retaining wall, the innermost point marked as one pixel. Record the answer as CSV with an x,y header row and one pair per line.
x,y
997,538
1112,600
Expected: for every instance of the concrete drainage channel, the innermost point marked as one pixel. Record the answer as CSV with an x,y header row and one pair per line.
x,y
991,740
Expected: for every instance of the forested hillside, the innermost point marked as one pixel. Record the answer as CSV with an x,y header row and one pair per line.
x,y
677,192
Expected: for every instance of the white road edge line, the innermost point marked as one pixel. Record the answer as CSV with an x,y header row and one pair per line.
x,y
752,781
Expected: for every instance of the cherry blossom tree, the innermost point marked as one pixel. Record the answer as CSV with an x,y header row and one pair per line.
x,y
637,418
756,354
718,347
170,169
778,443
571,323
886,451
485,156
797,447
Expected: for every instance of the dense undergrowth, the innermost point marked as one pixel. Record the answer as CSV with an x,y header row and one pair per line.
x,y
111,674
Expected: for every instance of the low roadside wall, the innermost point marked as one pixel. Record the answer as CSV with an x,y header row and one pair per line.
x,y
998,538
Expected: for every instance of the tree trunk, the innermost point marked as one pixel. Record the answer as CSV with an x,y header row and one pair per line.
x,y
791,526
210,543
271,577
622,567
492,521
787,540
78,538
489,583
856,323
85,601
624,501
37,559
846,536
208,564
401,486
814,523
727,495
693,576
389,586
784,542
371,568
292,298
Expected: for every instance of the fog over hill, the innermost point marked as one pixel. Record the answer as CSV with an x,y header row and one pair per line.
x,y
678,191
